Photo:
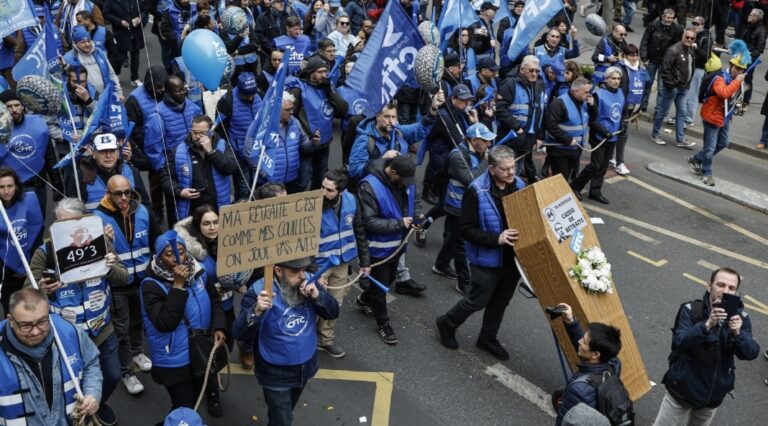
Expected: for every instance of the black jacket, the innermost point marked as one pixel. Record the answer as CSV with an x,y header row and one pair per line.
x,y
445,135
677,68
754,37
470,220
478,42
556,114
369,203
657,38
116,11
703,48
617,47
269,26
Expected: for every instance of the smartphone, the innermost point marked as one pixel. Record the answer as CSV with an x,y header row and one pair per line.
x,y
730,303
203,189
51,275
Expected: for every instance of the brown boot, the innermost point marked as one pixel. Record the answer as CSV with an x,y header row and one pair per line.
x,y
246,358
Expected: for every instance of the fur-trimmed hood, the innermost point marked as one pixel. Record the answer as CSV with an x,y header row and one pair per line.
x,y
194,246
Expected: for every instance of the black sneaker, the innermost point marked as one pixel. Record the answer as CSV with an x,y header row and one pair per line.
x,y
214,404
447,272
421,238
106,416
695,165
365,307
335,351
409,287
447,333
493,347
387,334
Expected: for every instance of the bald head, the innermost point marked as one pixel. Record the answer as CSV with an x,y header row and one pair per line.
x,y
118,182
119,191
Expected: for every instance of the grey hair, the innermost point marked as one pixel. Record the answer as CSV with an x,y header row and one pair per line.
x,y
499,153
287,96
28,298
758,13
529,60
613,70
579,83
668,12
71,205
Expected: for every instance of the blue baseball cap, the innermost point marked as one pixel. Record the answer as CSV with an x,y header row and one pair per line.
x,y
246,83
461,91
480,130
79,33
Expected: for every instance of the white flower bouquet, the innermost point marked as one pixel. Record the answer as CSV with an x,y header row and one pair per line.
x,y
593,271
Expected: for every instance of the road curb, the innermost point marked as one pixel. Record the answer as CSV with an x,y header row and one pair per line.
x,y
725,189
735,143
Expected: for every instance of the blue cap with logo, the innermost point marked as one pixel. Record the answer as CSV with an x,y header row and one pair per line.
x,y
480,130
246,83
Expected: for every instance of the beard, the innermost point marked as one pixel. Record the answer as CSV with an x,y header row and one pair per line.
x,y
290,294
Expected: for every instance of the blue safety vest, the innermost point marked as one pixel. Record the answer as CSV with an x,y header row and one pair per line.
x,y
544,59
195,91
223,183
337,233
490,221
147,103
248,58
171,350
72,59
287,333
68,16
474,82
176,19
243,115
610,108
12,410
287,159
99,38
455,190
80,115
576,125
136,254
97,188
227,297
382,245
599,75
635,84
27,221
319,111
25,153
295,50
522,106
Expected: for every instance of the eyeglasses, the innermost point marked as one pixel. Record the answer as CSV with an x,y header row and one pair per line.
x,y
533,69
343,23
697,24
689,38
26,327
120,194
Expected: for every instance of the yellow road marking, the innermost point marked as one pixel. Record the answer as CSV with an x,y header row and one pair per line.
x,y
675,235
754,304
707,265
614,179
382,399
756,309
639,235
695,279
754,301
656,263
699,210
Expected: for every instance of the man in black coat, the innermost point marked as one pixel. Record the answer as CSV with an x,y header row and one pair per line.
x,y
657,38
270,25
125,17
754,37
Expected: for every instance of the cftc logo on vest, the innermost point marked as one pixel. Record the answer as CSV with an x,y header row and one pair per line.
x,y
20,229
326,109
349,219
293,322
616,113
64,294
22,146
72,359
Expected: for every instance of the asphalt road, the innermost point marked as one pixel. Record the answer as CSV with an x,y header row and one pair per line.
x,y
662,239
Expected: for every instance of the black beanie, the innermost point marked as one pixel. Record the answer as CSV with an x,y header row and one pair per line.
x,y
8,95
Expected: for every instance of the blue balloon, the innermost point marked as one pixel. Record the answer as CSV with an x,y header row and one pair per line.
x,y
206,57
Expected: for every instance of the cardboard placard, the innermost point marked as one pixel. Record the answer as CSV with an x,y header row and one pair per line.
x,y
80,248
269,231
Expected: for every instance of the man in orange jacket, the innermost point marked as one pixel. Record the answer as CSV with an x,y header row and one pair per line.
x,y
723,93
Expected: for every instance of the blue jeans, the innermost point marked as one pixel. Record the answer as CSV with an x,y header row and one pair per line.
x,y
110,366
671,94
692,98
280,404
629,11
715,140
653,70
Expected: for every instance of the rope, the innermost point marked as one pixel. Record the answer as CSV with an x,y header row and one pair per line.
x,y
77,420
207,374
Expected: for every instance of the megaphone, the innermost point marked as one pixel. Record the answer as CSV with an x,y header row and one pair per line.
x,y
332,261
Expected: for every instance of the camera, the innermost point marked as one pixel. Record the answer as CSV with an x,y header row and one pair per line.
x,y
554,311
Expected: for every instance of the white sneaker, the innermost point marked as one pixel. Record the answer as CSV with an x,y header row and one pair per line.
x,y
658,140
132,384
669,120
142,363
622,169
612,162
583,10
136,83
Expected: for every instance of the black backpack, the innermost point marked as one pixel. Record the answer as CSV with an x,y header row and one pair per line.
x,y
697,315
612,397
706,85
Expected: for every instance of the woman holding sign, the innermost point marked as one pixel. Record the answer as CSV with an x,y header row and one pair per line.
x,y
24,212
176,300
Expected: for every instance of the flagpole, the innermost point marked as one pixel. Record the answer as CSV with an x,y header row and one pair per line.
x,y
258,169
31,278
72,152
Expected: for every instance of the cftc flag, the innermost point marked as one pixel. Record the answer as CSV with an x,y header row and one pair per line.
x,y
265,128
15,15
535,16
386,63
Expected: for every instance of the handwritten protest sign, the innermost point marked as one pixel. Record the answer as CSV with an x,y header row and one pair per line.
x,y
270,231
80,248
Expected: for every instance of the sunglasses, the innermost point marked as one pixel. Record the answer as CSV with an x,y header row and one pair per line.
x,y
689,38
343,23
120,194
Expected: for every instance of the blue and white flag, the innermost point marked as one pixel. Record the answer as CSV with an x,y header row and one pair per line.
x,y
15,15
535,16
102,109
456,14
265,129
42,58
115,118
386,63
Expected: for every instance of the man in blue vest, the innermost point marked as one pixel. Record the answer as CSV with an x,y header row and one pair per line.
x,y
199,173
566,128
489,242
317,103
134,233
238,108
520,109
552,50
608,52
281,327
30,151
487,71
388,213
605,122
295,44
342,234
103,38
31,363
165,129
94,171
85,54
264,79
86,304
465,163
81,102
172,24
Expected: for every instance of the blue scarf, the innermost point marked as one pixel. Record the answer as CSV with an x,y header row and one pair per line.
x,y
36,353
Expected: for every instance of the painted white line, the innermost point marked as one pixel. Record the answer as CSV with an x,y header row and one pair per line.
x,y
639,235
707,265
522,387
